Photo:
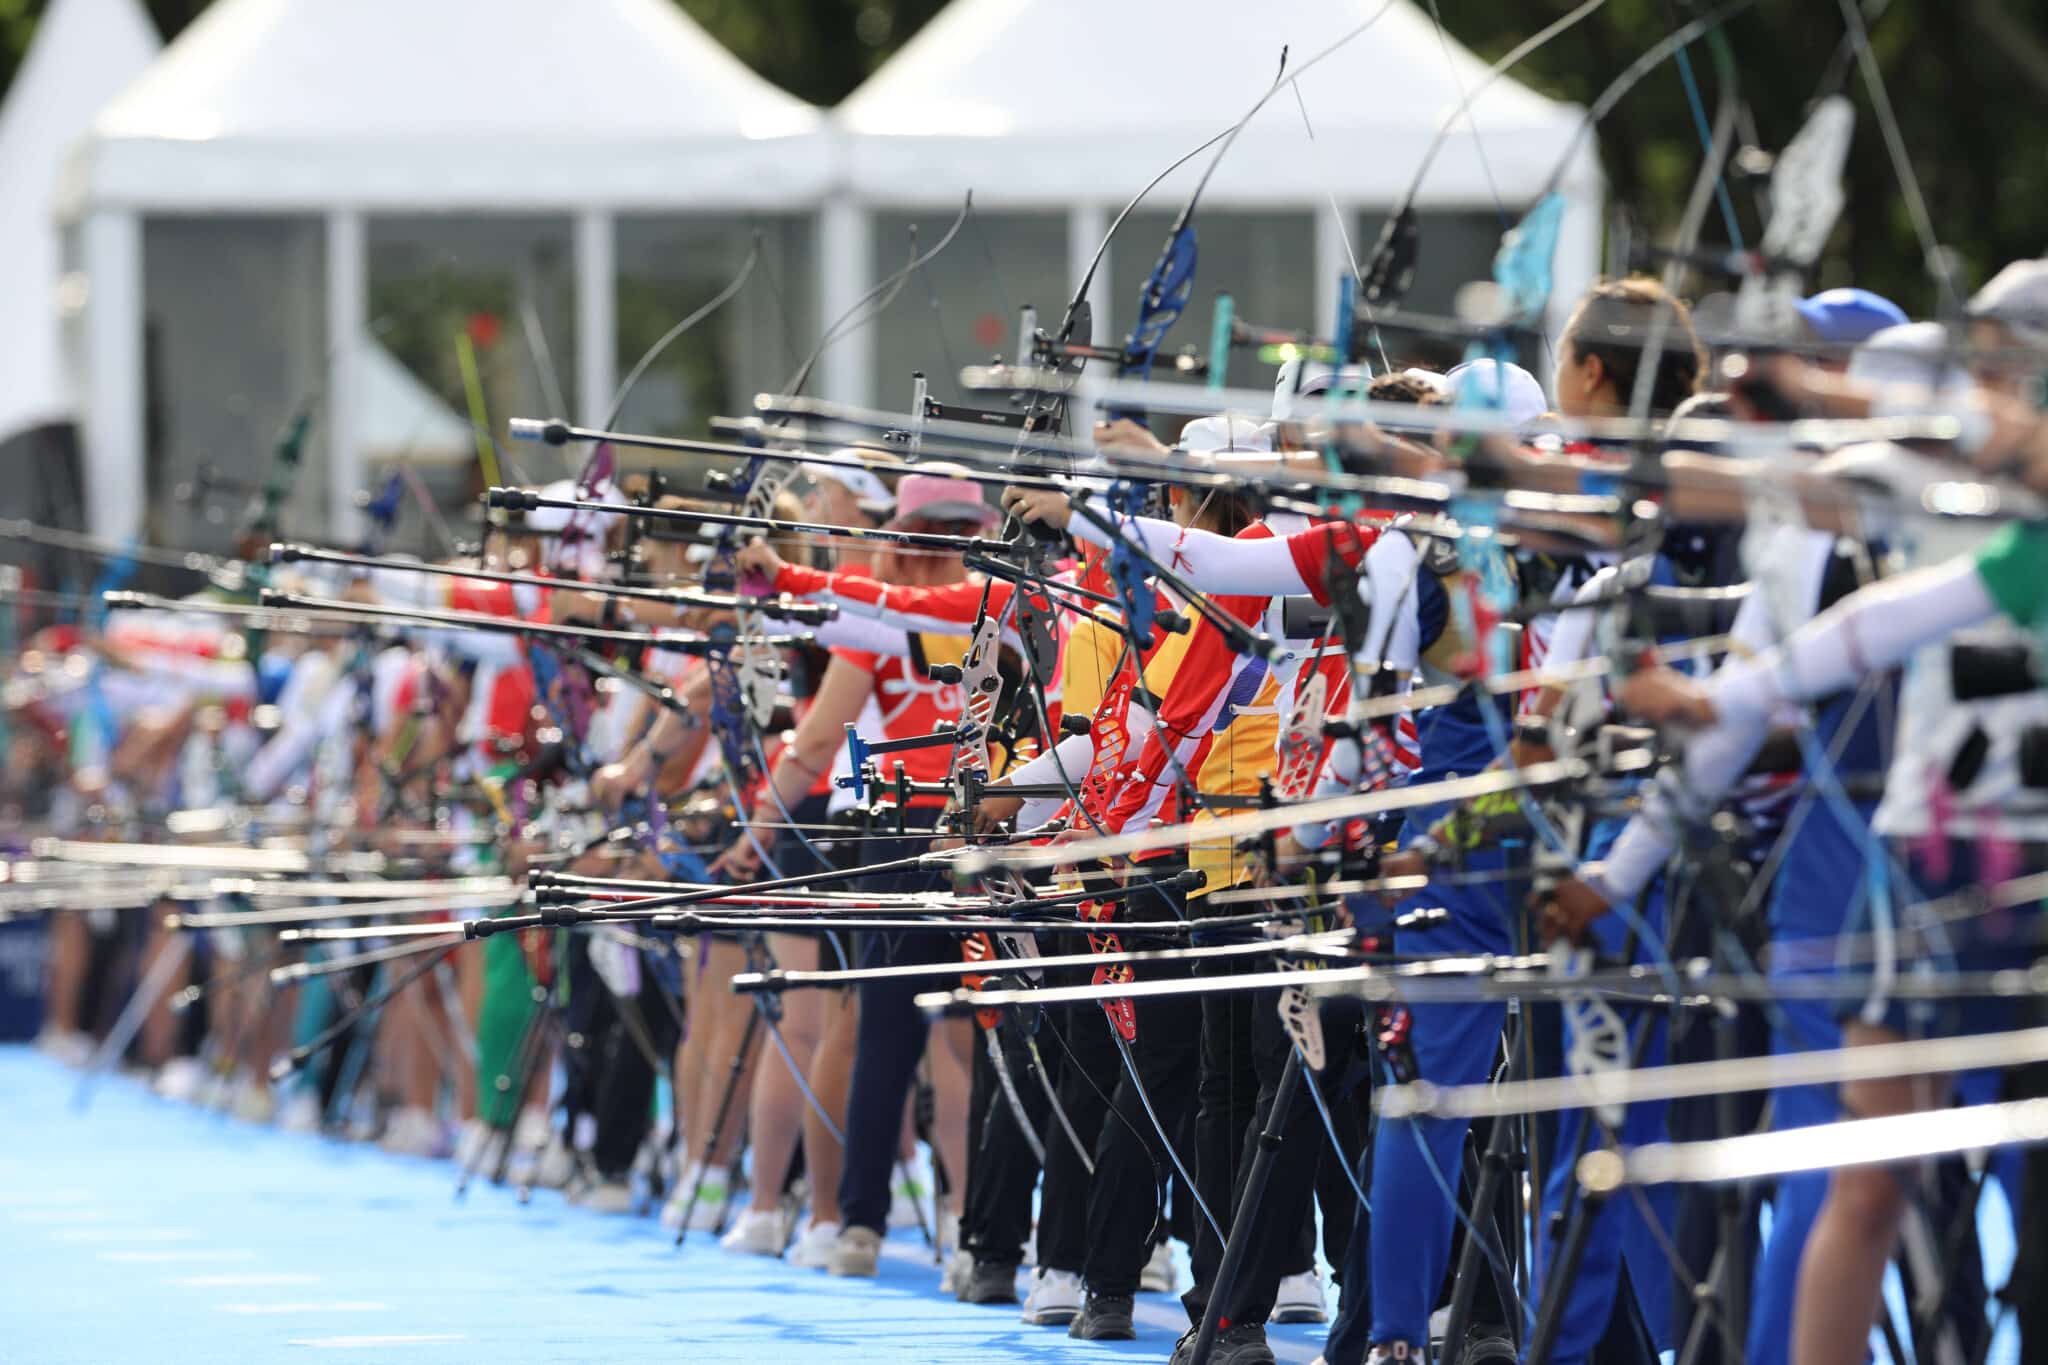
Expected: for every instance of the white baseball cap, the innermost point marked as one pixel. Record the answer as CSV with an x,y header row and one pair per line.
x,y
1493,383
1225,435
1918,355
2017,297
866,486
1300,378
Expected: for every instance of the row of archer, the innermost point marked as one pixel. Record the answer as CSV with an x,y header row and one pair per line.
x,y
1148,743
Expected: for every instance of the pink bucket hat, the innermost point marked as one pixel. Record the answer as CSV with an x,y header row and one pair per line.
x,y
940,499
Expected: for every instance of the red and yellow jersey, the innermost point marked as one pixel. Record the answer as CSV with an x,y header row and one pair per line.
x,y
1216,724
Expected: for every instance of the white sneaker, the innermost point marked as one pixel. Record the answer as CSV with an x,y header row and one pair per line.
x,y
181,1080
412,1131
910,1190
712,1201
65,1046
1055,1298
473,1142
711,1197
532,1130
856,1251
813,1247
1300,1299
757,1232
252,1101
361,1122
678,1193
609,1197
959,1270
1159,1275
301,1112
556,1163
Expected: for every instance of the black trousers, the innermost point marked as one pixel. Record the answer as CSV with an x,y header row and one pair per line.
x,y
1226,1098
1105,1226
1085,1061
1002,1170
888,1043
890,1039
1133,1170
619,1075
1244,1051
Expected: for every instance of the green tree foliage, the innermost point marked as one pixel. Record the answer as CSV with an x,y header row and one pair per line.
x,y
1968,79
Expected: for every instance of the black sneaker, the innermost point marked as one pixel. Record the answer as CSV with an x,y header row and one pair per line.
x,y
1106,1317
991,1282
1241,1343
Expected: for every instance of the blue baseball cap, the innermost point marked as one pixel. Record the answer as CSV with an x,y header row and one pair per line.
x,y
1849,317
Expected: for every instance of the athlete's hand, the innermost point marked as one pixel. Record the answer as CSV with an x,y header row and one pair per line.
x,y
1125,437
1114,868
758,557
615,782
1407,862
1568,910
519,854
1048,506
1664,696
1287,860
2015,443
741,863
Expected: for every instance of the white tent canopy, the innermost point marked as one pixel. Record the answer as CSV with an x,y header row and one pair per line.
x,y
84,52
348,108
1035,101
450,104
1075,105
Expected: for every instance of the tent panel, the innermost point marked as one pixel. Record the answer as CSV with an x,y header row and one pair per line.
x,y
963,307
84,51
234,314
670,266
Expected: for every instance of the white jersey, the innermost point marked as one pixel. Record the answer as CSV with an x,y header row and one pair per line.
x,y
1933,725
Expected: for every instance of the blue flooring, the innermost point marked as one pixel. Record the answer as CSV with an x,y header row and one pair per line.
x,y
139,1230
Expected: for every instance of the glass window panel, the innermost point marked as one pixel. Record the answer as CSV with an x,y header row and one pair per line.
x,y
234,313
1264,261
505,282
668,268
962,308
1455,248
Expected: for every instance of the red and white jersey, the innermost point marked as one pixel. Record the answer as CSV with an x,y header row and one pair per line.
x,y
912,704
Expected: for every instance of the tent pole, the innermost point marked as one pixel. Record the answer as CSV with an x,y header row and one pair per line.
x,y
114,454
340,414
846,262
597,330
1086,224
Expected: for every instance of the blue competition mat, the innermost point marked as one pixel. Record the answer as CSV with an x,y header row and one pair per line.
x,y
141,1230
